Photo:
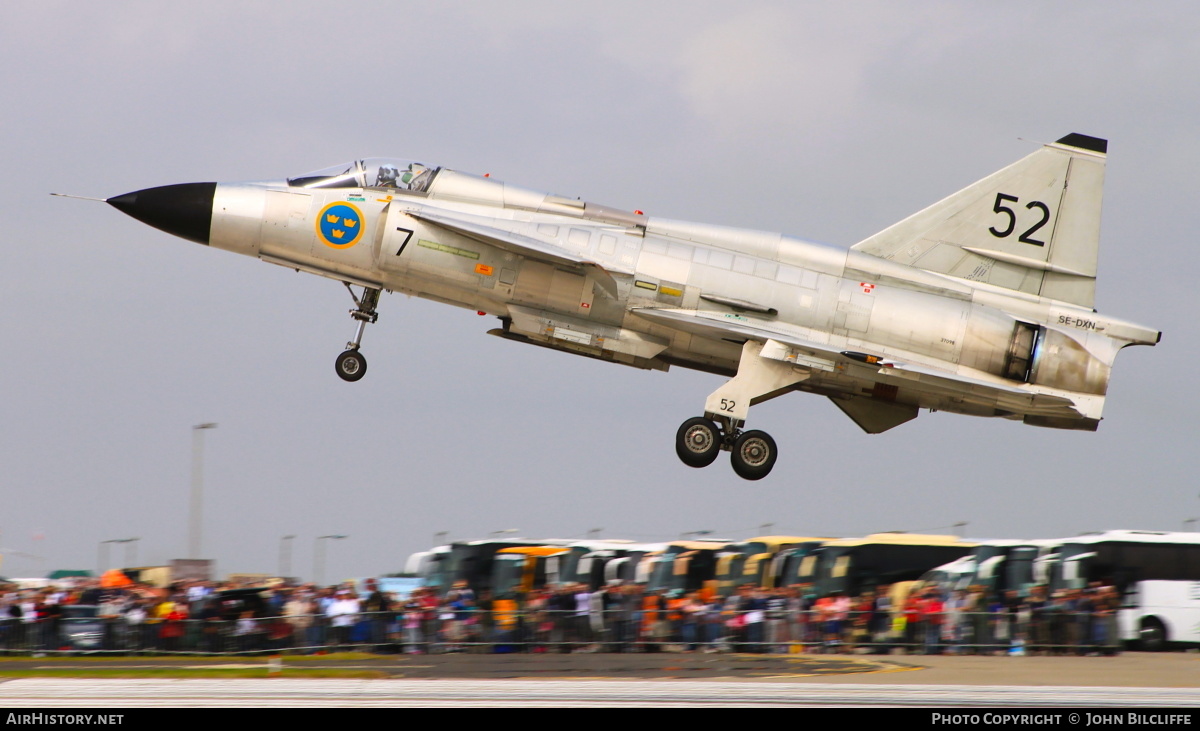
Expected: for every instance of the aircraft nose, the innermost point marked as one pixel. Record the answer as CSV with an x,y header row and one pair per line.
x,y
184,210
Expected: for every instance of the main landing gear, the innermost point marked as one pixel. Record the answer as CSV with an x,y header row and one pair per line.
x,y
752,453
351,365
764,372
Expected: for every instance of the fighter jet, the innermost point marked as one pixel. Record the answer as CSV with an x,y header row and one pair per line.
x,y
980,304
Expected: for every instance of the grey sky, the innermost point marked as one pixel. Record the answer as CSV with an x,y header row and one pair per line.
x,y
825,121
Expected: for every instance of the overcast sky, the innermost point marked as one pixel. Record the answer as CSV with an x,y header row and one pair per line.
x,y
827,121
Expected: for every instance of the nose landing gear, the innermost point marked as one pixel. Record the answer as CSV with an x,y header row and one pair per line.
x,y
351,365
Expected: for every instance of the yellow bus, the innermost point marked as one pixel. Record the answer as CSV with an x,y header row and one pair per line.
x,y
753,561
521,569
683,566
851,565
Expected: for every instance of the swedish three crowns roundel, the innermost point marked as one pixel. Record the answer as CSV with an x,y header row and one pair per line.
x,y
340,225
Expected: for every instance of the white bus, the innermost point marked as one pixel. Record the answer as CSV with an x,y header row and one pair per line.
x,y
1156,573
999,566
1157,613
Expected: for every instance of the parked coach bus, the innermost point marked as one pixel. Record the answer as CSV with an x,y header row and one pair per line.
x,y
753,561
469,561
1157,574
998,566
684,566
852,565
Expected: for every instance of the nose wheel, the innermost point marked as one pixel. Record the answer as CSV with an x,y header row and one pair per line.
x,y
752,453
351,365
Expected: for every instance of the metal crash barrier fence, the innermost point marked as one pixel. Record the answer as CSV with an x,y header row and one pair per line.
x,y
445,630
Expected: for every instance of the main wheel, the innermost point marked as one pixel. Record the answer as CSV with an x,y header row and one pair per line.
x,y
1152,637
754,455
697,442
351,365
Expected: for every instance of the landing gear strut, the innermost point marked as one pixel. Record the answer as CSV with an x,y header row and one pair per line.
x,y
351,365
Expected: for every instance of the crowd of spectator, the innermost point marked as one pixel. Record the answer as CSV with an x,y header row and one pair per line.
x,y
201,616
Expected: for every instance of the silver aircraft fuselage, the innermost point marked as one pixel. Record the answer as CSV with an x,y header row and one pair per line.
x,y
913,318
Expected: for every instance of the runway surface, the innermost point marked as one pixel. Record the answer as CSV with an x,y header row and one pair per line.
x,y
117,693
1132,680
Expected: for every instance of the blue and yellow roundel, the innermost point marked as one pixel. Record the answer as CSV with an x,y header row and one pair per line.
x,y
340,225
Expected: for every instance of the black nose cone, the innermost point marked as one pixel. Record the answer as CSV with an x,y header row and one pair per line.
x,y
184,210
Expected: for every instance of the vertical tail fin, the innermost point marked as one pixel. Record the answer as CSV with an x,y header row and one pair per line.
x,y
1032,227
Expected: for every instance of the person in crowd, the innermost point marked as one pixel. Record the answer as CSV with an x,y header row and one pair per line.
x,y
834,612
581,620
692,612
954,619
50,617
542,626
486,626
713,626
932,610
598,618
880,626
626,607
808,622
1104,627
246,632
457,620
754,606
173,613
823,614
1038,606
975,620
999,630
342,614
376,608
14,625
411,619
861,609
429,619
778,634
297,612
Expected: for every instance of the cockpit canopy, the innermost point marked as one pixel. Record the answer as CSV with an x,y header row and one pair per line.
x,y
371,172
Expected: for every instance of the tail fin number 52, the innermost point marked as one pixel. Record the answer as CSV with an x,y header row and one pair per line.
x,y
1024,238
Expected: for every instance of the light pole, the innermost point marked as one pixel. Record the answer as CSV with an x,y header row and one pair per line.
x,y
597,531
32,557
195,515
319,557
102,558
498,533
285,556
437,537
1189,522
127,542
